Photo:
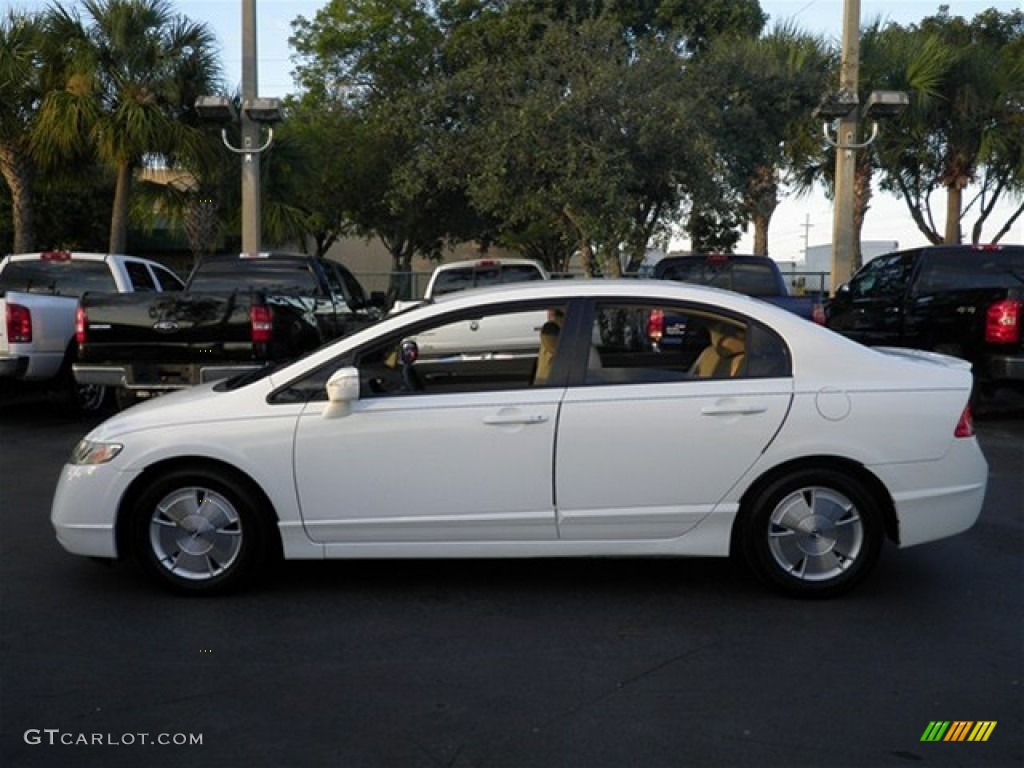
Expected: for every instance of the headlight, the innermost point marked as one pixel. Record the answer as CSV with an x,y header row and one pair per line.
x,y
88,452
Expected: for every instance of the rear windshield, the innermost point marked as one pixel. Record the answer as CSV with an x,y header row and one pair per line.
x,y
479,276
964,270
743,277
267,275
58,278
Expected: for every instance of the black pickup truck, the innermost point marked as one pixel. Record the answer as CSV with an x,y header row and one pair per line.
x,y
960,300
235,315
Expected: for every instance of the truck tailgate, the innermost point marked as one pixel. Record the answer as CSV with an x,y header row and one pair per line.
x,y
166,327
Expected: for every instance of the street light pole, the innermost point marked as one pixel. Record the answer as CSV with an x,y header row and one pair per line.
x,y
844,238
251,229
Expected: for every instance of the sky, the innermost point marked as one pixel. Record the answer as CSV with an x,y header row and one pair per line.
x,y
797,222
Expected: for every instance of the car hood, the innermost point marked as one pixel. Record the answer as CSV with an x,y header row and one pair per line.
x,y
202,404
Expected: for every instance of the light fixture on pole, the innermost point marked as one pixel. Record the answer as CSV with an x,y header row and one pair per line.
x,y
881,105
220,109
256,112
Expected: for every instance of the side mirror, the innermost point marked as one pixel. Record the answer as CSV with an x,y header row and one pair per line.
x,y
342,391
409,352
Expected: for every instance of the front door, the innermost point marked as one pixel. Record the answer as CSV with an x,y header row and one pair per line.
x,y
454,449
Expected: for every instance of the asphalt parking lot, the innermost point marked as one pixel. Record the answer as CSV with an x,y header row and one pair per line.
x,y
539,663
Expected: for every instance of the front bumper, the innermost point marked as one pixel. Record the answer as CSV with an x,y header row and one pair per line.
x,y
85,506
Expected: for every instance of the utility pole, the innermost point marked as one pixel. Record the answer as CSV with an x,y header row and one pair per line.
x,y
251,223
806,226
844,240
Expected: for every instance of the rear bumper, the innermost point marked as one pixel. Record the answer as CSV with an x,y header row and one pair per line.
x,y
1006,368
157,376
937,499
12,366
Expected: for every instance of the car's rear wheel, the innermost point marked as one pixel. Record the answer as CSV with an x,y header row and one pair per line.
x,y
813,532
199,531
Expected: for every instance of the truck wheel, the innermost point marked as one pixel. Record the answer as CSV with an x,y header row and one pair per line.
x,y
199,531
88,399
812,533
124,398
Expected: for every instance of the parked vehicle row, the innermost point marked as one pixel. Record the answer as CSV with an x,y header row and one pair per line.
x,y
39,295
234,315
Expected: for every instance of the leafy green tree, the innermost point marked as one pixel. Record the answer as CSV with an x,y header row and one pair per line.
x,y
136,70
365,69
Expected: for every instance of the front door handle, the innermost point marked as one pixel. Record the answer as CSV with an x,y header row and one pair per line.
x,y
732,409
504,419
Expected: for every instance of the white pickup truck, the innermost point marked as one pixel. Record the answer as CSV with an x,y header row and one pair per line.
x,y
39,295
473,335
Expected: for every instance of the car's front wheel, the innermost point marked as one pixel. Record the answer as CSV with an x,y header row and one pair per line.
x,y
200,531
813,532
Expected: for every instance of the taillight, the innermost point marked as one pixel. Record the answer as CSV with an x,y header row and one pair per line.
x,y
262,322
656,325
81,320
818,313
19,324
965,427
1002,322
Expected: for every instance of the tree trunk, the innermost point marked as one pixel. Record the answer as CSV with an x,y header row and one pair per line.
x,y
119,216
954,204
760,235
19,173
861,203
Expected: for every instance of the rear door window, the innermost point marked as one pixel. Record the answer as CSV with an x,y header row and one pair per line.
x,y
142,281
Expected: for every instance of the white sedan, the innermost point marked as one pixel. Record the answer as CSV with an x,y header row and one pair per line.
x,y
761,435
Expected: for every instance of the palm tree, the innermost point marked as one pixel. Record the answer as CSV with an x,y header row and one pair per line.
x,y
21,87
137,69
762,94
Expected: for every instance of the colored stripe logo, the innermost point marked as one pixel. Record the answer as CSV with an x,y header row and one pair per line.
x,y
958,730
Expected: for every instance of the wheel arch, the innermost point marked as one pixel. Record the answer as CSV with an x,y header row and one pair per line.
x,y
854,469
185,464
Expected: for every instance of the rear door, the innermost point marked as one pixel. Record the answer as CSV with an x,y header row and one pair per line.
x,y
647,446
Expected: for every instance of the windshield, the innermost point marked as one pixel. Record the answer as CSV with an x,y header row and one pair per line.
x,y
481,275
743,277
59,278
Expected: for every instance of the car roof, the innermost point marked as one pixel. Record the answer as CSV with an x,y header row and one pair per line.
x,y
624,288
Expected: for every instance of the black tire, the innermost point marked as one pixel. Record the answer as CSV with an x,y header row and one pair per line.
x,y
812,533
124,398
200,531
